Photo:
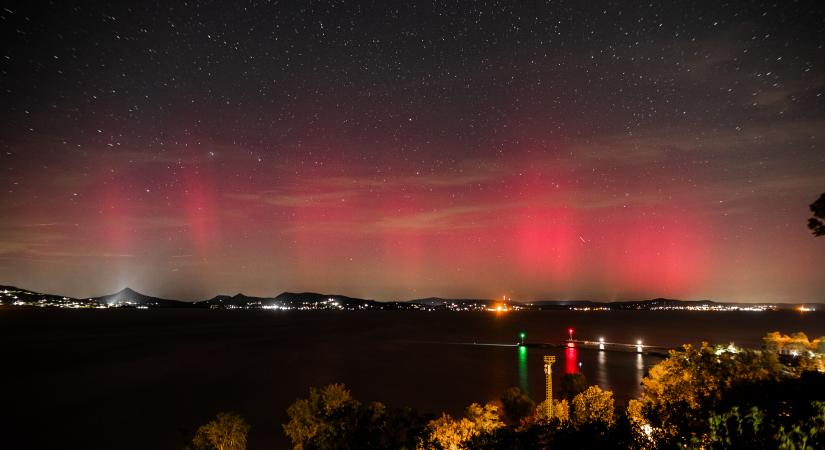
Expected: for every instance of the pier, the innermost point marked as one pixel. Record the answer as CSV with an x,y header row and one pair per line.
x,y
598,344
602,346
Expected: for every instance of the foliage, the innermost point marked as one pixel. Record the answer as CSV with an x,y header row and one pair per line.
x,y
517,405
571,385
807,354
757,429
549,411
678,390
557,435
453,434
331,419
817,222
591,406
227,431
798,342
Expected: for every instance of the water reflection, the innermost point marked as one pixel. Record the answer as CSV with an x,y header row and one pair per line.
x,y
640,367
602,378
522,370
571,360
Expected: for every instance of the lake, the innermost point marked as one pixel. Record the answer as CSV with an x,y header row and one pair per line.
x,y
136,379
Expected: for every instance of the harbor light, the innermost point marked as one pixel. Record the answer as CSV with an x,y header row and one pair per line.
x,y
601,343
570,332
638,346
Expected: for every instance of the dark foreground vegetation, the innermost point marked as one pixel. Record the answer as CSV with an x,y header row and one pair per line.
x,y
711,397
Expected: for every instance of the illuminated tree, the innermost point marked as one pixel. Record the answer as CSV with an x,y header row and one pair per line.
x,y
547,412
808,354
592,405
226,432
679,391
639,426
517,404
485,418
447,433
799,342
331,419
817,222
452,434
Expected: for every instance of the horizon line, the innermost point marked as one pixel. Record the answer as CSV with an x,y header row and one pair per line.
x,y
510,300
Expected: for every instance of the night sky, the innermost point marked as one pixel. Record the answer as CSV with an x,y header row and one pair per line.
x,y
397,150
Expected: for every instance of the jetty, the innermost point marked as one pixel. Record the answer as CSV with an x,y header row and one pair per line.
x,y
599,344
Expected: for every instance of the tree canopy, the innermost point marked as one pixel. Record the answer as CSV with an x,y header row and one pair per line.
x,y
330,418
227,431
447,433
593,405
517,404
817,222
571,385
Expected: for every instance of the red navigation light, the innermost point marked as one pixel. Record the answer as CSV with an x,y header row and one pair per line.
x,y
570,330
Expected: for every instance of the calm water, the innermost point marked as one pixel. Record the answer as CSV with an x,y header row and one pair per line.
x,y
136,379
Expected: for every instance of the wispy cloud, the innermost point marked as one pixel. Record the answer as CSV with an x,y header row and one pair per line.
x,y
446,218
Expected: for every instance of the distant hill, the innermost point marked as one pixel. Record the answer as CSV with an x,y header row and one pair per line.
x,y
438,301
11,294
128,297
237,301
290,300
661,302
313,298
624,304
653,304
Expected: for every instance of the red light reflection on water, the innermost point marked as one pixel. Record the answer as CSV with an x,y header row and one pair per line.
x,y
571,360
